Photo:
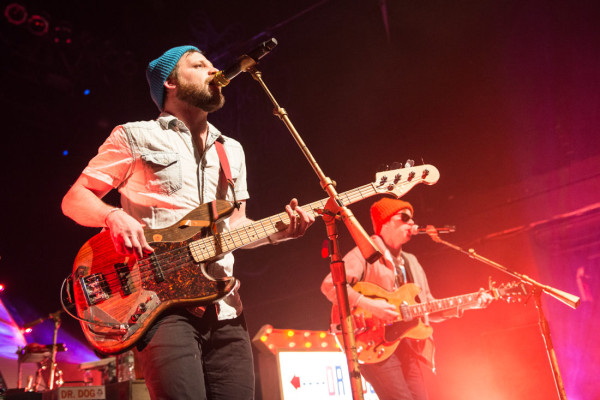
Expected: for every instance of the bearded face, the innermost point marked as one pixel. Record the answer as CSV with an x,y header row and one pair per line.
x,y
206,97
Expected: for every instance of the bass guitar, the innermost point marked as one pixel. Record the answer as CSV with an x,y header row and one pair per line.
x,y
118,297
376,341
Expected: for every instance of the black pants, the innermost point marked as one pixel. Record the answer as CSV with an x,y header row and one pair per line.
x,y
186,357
397,378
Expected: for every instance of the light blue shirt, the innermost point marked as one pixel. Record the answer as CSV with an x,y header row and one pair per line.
x,y
161,177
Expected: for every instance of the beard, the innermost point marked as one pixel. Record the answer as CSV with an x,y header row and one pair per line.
x,y
203,98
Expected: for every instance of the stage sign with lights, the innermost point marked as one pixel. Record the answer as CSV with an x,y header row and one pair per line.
x,y
303,364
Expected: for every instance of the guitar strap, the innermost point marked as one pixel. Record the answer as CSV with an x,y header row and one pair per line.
x,y
225,178
423,349
407,270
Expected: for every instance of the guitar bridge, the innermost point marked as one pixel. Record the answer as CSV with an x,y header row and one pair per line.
x,y
95,288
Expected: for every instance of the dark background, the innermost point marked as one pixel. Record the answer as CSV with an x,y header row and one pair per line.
x,y
503,97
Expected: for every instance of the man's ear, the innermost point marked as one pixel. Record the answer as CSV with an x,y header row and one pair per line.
x,y
170,84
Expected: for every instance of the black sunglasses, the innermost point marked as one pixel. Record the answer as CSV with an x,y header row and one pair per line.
x,y
405,217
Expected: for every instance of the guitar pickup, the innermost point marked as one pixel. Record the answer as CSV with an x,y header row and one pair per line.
x,y
124,275
405,312
155,265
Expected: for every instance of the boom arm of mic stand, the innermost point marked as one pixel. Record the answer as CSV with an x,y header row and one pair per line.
x,y
538,288
567,298
367,247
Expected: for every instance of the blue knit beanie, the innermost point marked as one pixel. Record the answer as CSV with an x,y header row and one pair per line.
x,y
158,71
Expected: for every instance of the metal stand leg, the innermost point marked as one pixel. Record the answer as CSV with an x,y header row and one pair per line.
x,y
545,329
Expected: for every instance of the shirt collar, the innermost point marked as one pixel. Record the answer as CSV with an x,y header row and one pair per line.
x,y
387,258
168,121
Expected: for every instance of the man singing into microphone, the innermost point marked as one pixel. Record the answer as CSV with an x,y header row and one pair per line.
x,y
399,376
163,169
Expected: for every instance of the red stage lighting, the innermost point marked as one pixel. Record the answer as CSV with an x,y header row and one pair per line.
x,y
38,25
15,13
62,34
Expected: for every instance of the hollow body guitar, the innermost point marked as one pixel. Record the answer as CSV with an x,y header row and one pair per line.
x,y
118,297
376,341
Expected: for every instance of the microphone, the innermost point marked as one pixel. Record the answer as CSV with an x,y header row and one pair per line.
x,y
415,230
244,62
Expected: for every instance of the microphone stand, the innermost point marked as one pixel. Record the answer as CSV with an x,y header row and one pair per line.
x,y
55,316
57,320
333,207
538,288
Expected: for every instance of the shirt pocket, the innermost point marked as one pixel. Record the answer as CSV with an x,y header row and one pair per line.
x,y
163,172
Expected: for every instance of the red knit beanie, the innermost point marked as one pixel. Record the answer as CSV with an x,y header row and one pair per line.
x,y
382,210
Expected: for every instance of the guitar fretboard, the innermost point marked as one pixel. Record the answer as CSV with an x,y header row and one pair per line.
x,y
209,247
420,309
396,182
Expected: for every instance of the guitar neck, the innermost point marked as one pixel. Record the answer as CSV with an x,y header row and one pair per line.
x,y
421,309
224,242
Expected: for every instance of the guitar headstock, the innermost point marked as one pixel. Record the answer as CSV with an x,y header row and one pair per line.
x,y
513,292
399,181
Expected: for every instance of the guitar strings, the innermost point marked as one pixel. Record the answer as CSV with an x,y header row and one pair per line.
x,y
146,270
205,247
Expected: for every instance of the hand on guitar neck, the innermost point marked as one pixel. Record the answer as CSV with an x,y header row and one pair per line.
x,y
484,299
118,296
387,313
376,341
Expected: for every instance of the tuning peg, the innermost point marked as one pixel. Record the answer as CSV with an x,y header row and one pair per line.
x,y
382,167
396,165
409,163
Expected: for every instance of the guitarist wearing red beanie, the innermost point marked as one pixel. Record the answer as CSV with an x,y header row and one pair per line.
x,y
390,354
